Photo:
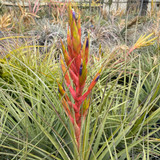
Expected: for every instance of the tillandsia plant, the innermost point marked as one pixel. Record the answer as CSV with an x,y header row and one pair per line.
x,y
75,74
142,42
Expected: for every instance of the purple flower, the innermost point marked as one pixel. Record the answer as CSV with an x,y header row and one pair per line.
x,y
97,78
80,70
87,43
74,14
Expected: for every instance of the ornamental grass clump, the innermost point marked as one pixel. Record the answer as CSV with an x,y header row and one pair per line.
x,y
74,69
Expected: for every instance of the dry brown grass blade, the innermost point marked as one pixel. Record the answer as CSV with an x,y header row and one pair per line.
x,y
6,21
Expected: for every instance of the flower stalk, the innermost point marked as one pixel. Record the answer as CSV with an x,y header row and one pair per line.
x,y
143,41
74,68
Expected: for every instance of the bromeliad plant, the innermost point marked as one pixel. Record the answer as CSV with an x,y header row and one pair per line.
x,y
75,74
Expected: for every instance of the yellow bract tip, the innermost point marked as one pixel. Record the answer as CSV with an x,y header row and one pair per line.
x,y
143,41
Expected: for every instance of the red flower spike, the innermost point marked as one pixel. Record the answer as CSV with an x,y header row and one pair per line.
x,y
76,61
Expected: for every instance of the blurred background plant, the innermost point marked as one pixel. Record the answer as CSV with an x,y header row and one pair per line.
x,y
6,22
27,18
